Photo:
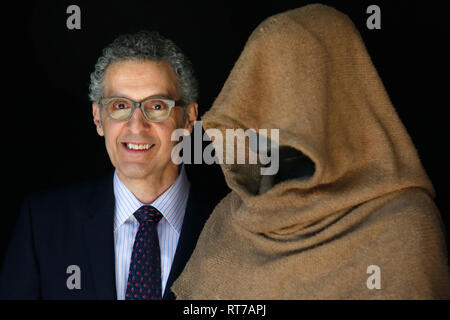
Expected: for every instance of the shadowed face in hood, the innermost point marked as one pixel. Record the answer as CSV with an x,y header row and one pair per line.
x,y
293,165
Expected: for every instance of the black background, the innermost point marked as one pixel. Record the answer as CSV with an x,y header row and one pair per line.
x,y
48,136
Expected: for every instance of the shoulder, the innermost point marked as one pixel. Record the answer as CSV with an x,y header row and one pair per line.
x,y
412,213
68,198
408,241
402,222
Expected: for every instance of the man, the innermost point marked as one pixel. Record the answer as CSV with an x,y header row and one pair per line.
x,y
129,235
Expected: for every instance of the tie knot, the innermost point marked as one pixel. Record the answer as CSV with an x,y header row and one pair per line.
x,y
148,213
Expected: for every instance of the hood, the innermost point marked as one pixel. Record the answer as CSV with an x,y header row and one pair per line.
x,y
307,73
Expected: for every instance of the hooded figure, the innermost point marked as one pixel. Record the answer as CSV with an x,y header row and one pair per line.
x,y
349,214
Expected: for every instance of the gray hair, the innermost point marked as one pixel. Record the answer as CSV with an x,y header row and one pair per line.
x,y
145,45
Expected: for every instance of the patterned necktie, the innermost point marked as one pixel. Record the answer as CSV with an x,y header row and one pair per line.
x,y
144,277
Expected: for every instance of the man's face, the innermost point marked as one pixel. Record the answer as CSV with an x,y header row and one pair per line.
x,y
138,80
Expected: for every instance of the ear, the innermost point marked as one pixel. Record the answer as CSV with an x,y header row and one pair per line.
x,y
96,113
191,116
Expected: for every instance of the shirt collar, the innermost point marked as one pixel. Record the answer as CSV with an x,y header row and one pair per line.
x,y
171,203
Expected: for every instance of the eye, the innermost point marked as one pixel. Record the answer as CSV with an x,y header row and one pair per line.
x,y
156,106
120,105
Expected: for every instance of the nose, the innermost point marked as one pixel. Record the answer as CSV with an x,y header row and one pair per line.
x,y
138,122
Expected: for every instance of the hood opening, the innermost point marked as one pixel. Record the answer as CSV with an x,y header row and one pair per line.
x,y
293,164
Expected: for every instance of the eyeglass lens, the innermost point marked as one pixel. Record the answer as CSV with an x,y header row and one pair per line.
x,y
120,109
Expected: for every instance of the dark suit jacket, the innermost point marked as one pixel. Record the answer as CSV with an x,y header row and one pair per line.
x,y
74,226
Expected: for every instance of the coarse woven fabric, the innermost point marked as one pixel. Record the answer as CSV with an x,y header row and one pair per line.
x,y
369,202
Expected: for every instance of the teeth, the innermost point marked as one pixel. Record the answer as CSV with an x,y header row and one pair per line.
x,y
138,146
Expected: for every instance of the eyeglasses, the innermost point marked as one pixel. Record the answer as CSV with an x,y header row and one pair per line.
x,y
153,109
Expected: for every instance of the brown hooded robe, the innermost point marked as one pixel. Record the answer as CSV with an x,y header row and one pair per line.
x,y
367,203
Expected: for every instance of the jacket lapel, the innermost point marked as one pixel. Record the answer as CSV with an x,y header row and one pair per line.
x,y
100,239
194,219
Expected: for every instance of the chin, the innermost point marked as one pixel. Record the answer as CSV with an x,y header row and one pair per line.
x,y
143,170
136,171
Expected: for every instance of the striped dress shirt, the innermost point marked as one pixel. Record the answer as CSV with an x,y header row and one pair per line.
x,y
171,204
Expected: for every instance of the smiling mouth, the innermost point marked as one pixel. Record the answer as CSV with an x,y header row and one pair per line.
x,y
137,147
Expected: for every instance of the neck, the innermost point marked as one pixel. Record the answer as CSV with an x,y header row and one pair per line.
x,y
149,188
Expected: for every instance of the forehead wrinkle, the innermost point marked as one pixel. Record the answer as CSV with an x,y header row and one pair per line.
x,y
139,80
156,95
